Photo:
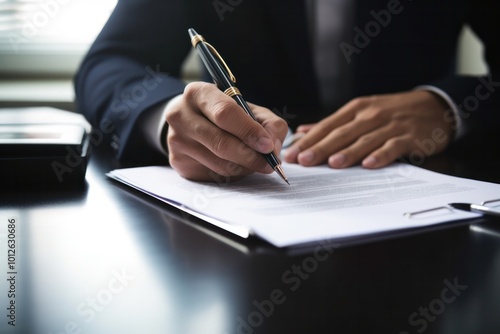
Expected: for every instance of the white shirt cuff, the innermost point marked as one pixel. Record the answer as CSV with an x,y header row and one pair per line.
x,y
155,126
459,128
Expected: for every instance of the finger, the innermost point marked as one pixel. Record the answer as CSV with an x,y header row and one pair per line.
x,y
363,146
220,149
320,130
388,153
226,114
273,124
191,169
344,115
305,128
192,160
338,139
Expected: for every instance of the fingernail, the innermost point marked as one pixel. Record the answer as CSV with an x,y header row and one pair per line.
x,y
337,160
291,154
306,157
369,162
265,145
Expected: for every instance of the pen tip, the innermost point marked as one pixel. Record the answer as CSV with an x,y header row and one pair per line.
x,y
281,173
461,206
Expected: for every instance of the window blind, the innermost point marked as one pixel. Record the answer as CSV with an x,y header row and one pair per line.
x,y
33,30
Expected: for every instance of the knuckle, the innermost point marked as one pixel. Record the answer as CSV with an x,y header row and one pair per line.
x,y
174,143
279,126
174,116
173,160
356,102
366,139
192,90
342,132
250,134
221,110
360,102
221,145
399,144
195,128
377,113
374,114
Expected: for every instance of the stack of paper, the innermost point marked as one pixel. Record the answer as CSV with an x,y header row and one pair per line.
x,y
320,204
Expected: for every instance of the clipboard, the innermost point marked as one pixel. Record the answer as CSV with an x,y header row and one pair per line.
x,y
493,205
342,206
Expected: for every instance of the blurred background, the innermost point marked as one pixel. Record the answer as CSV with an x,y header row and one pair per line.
x,y
43,41
41,45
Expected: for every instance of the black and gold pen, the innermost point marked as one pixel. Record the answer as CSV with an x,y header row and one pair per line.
x,y
225,81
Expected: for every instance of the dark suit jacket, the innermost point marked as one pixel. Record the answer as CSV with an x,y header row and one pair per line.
x,y
135,62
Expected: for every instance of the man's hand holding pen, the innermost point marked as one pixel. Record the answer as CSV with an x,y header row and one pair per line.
x,y
209,133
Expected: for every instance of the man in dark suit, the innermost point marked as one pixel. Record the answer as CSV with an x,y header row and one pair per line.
x,y
387,88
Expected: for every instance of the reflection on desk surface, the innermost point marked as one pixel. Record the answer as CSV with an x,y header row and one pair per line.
x,y
107,260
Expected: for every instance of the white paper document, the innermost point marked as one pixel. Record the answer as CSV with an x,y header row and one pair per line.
x,y
320,204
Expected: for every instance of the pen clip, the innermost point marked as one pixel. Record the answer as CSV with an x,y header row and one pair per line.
x,y
488,203
428,213
198,38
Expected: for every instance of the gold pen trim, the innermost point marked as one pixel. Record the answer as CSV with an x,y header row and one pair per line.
x,y
232,91
199,38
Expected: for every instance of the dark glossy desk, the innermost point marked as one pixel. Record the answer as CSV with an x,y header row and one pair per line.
x,y
106,259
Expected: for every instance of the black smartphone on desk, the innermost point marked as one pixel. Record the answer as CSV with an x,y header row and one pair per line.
x,y
43,147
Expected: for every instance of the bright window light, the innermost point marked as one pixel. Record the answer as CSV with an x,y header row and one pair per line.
x,y
48,36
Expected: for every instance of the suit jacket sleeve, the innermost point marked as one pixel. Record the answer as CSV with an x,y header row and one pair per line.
x,y
133,65
478,98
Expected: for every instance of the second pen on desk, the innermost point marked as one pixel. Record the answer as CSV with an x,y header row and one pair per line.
x,y
225,81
